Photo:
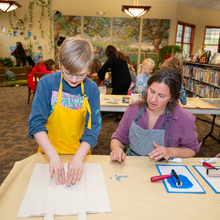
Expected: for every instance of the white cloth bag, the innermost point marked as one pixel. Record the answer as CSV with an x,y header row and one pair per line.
x,y
44,198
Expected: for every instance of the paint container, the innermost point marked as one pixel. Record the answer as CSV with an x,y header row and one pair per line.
x,y
209,160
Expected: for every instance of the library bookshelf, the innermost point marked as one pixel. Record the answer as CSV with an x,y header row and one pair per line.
x,y
202,79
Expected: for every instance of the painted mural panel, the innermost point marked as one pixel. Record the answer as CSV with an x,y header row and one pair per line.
x,y
125,36
65,26
97,30
155,35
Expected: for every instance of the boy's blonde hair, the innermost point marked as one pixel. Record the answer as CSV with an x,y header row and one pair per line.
x,y
175,63
75,53
146,62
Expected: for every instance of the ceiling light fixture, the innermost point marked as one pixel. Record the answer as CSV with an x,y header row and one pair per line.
x,y
7,6
135,10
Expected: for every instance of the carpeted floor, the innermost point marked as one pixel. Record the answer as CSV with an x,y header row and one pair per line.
x,y
15,144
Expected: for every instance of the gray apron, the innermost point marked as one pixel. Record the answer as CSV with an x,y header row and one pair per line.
x,y
141,140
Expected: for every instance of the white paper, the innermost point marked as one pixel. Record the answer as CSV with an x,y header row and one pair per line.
x,y
191,184
43,196
214,182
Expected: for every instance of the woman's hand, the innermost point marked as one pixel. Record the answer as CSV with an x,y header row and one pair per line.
x,y
160,152
75,168
57,168
117,155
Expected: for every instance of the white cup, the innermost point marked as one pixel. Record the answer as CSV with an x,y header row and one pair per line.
x,y
135,97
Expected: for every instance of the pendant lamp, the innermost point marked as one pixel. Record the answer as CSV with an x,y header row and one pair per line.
x,y
7,6
135,10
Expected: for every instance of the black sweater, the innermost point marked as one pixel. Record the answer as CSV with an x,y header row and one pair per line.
x,y
119,69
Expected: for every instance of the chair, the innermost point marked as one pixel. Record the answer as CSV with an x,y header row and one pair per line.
x,y
27,70
37,76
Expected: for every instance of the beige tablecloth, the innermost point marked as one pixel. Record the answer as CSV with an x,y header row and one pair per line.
x,y
134,197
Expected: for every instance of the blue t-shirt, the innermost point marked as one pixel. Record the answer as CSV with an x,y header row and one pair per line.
x,y
141,81
46,97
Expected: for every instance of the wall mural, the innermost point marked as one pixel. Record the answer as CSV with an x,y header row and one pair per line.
x,y
65,26
125,36
98,30
155,35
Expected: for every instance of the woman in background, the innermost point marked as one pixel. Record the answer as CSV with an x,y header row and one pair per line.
x,y
41,67
144,71
20,55
121,78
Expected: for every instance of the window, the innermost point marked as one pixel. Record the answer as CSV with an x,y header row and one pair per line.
x,y
185,37
211,40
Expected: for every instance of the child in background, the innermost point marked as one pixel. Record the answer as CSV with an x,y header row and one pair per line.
x,y
65,116
96,66
10,76
144,71
41,67
177,64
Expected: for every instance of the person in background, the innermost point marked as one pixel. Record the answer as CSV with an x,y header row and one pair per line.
x,y
65,116
19,55
131,69
96,66
121,78
178,64
10,76
60,41
41,67
157,126
30,60
144,71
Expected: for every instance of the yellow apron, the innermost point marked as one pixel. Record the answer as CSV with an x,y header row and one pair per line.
x,y
66,126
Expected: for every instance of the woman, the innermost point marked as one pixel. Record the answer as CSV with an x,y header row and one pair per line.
x,y
19,54
121,78
157,125
144,71
41,67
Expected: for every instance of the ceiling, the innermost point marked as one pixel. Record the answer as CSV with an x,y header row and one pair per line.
x,y
198,4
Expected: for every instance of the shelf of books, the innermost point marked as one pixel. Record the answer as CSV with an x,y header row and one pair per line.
x,y
203,81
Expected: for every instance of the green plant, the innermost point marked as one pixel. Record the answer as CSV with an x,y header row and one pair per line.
x,y
6,61
42,4
30,48
48,6
169,49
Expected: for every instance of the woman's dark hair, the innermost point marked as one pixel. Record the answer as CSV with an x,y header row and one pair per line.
x,y
96,66
169,76
110,49
49,63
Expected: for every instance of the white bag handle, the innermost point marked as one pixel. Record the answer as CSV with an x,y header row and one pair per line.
x,y
82,216
48,216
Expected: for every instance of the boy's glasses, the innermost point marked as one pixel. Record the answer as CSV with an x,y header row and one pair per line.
x,y
79,76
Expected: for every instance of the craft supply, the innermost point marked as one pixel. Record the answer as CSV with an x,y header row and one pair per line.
x,y
209,160
189,182
213,172
205,164
175,160
125,99
173,175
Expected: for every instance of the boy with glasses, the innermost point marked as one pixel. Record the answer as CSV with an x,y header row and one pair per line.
x,y
65,116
